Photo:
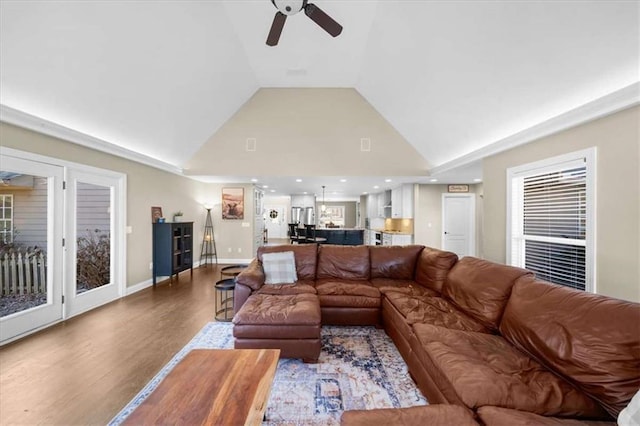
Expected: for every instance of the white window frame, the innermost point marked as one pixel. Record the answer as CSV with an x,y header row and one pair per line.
x,y
10,220
586,156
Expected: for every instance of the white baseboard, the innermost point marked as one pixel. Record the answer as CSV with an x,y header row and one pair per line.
x,y
138,287
234,261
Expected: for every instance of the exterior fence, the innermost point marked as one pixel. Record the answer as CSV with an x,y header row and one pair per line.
x,y
23,272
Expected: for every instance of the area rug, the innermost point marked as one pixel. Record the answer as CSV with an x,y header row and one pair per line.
x,y
359,368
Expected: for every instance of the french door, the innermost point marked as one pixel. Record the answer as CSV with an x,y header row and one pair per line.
x,y
62,240
31,255
93,273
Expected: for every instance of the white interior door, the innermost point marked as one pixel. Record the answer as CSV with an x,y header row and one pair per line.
x,y
458,224
276,221
95,239
31,218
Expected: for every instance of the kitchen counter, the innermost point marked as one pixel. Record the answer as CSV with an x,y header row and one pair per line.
x,y
392,232
341,236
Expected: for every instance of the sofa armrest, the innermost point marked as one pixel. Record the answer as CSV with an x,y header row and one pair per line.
x,y
252,276
240,295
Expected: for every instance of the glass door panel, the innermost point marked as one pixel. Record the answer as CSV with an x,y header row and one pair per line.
x,y
30,246
93,233
94,228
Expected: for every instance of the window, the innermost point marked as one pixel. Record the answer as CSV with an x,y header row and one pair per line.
x,y
551,219
6,218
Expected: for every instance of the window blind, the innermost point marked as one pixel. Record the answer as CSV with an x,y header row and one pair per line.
x,y
549,219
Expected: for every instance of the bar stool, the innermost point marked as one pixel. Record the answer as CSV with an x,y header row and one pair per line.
x,y
310,235
293,233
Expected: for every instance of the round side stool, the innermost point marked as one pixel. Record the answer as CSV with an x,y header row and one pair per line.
x,y
224,299
231,270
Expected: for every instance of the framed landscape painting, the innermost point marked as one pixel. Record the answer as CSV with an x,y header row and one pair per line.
x,y
233,203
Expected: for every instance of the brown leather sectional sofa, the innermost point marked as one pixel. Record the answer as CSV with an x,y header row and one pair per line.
x,y
476,334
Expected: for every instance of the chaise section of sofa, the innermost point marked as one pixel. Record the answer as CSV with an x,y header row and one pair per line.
x,y
591,341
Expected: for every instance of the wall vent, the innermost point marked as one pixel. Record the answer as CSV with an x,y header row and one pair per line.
x,y
365,144
251,144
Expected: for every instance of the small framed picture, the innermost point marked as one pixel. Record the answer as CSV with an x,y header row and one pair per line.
x,y
458,188
233,203
156,213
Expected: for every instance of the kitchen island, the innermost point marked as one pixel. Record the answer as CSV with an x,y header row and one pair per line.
x,y
341,236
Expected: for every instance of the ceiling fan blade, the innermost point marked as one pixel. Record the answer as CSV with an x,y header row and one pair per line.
x,y
322,19
276,29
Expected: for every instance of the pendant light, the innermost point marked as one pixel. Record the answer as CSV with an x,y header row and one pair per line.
x,y
323,207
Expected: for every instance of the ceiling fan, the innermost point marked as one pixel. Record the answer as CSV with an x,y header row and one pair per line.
x,y
291,7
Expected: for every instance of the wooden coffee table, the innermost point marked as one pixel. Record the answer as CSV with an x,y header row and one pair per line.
x,y
212,387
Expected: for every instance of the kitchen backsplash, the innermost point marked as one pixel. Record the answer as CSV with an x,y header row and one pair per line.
x,y
401,225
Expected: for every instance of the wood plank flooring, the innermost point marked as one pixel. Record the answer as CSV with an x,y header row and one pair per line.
x,y
84,370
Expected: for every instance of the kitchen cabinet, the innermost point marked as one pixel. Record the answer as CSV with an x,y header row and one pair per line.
x,y
401,239
258,219
390,239
303,201
402,202
372,205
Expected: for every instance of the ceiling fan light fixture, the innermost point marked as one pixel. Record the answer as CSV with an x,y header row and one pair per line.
x,y
289,7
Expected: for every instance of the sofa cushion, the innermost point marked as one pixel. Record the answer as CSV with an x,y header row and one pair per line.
x,y
386,285
485,369
505,416
564,329
252,276
395,262
436,415
343,262
481,288
266,309
300,287
279,268
432,267
433,310
344,293
306,256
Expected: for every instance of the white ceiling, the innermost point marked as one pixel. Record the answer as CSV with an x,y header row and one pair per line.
x,y
159,78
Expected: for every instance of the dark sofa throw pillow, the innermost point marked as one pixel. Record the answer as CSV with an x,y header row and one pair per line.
x,y
279,268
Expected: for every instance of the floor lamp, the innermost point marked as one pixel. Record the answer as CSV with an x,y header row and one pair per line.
x,y
208,250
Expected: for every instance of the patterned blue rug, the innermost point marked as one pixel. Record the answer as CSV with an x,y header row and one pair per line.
x,y
359,368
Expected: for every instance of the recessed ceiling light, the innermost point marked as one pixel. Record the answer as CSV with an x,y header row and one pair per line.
x,y
254,180
477,180
305,192
365,193
343,180
298,180
376,187
387,180
265,186
433,180
272,190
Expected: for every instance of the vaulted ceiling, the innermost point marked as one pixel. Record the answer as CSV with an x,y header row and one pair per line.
x,y
450,79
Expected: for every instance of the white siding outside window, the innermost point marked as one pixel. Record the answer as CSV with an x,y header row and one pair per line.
x,y
6,218
550,227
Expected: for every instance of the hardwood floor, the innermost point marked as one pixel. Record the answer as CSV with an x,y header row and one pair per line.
x,y
84,370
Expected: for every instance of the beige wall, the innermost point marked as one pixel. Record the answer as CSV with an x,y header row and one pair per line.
x,y
308,132
146,187
617,140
